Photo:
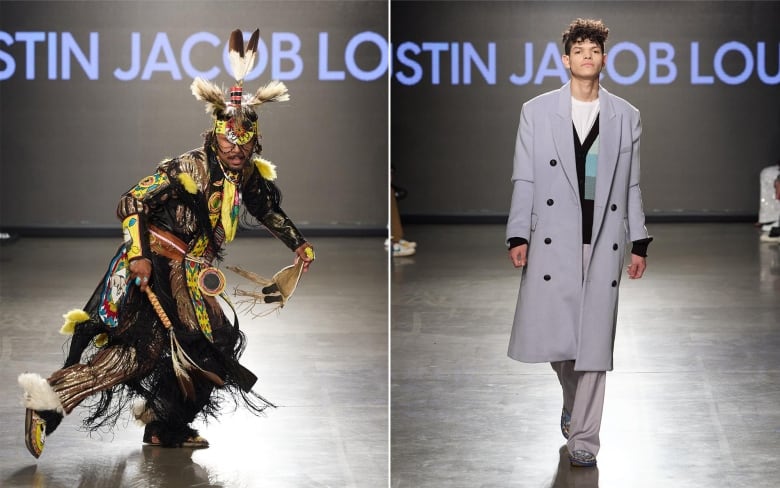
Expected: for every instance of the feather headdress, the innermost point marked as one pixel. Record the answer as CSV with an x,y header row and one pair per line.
x,y
234,108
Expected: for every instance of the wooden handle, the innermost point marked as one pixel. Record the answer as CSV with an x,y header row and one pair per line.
x,y
158,308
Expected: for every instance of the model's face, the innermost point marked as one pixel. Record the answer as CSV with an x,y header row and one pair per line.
x,y
585,60
234,156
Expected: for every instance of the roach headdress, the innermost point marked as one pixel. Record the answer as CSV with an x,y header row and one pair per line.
x,y
234,114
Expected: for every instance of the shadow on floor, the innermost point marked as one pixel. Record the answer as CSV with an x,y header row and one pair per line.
x,y
568,476
148,466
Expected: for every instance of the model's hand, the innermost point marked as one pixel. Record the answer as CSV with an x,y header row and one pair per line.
x,y
140,272
305,252
518,255
637,267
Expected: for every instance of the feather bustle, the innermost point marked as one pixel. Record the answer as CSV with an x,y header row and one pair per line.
x,y
273,91
210,93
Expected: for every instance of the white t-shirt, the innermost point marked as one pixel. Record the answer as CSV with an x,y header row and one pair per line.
x,y
584,114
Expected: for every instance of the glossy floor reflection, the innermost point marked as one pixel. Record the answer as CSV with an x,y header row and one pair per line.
x,y
322,359
694,400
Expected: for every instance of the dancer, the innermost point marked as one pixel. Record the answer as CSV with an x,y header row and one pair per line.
x,y
153,331
575,201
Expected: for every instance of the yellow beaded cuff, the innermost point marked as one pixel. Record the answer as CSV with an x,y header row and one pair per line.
x,y
132,231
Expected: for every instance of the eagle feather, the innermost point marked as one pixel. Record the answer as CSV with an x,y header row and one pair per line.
x,y
242,61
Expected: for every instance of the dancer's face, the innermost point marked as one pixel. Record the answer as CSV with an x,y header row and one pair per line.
x,y
233,156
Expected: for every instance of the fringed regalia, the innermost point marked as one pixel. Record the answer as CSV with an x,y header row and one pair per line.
x,y
171,347
124,351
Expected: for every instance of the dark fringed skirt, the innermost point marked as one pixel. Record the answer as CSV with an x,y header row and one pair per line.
x,y
123,353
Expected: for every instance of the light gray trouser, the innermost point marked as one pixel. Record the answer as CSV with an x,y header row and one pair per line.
x,y
583,397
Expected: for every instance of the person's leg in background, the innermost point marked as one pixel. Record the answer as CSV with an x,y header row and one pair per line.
x,y
400,246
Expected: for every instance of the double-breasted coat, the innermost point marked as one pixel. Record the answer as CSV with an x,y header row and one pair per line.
x,y
567,309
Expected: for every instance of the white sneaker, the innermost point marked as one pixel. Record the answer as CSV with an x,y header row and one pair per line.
x,y
401,250
766,238
402,242
772,236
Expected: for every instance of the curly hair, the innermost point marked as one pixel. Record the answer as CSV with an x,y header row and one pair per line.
x,y
585,30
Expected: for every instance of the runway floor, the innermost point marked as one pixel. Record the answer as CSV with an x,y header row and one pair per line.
x,y
322,359
694,400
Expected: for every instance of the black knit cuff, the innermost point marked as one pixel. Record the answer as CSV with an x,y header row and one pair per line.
x,y
640,247
517,241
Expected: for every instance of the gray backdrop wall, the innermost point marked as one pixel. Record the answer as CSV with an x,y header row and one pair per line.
x,y
93,94
704,75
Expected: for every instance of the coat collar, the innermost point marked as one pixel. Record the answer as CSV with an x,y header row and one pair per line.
x,y
563,137
609,152
609,145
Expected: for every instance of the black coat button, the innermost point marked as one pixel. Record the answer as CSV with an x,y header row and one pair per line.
x,y
613,207
553,162
550,201
615,246
614,283
547,240
547,277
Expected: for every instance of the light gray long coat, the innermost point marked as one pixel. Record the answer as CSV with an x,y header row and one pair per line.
x,y
561,314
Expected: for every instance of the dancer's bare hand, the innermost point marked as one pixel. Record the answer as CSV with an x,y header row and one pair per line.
x,y
141,272
305,252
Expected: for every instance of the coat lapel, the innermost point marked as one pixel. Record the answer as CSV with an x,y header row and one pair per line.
x,y
609,146
564,139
